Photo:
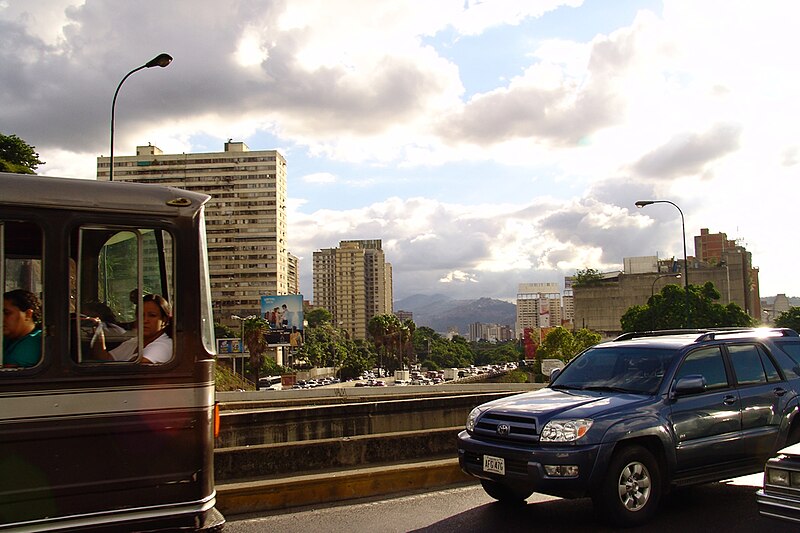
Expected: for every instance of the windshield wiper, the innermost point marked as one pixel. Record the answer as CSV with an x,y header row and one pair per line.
x,y
564,387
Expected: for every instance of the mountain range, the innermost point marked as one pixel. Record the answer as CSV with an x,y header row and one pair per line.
x,y
442,313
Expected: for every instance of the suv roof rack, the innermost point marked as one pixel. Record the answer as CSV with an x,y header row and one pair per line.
x,y
659,333
772,332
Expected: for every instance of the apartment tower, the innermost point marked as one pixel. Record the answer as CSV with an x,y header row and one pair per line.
x,y
245,218
354,283
538,306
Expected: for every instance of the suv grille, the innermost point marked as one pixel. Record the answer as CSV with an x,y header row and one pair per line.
x,y
507,428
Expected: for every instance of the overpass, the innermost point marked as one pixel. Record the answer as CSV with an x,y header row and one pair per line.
x,y
282,449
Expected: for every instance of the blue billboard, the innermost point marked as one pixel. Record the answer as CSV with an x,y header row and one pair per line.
x,y
285,317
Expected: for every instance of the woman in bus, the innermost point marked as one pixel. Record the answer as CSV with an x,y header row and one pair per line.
x,y
22,337
156,320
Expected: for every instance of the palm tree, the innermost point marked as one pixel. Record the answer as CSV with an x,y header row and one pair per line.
x,y
406,338
378,328
255,331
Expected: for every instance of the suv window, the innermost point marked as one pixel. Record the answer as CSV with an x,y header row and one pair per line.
x,y
751,365
792,349
706,362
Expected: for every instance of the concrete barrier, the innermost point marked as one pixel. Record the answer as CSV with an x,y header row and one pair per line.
x,y
286,459
282,449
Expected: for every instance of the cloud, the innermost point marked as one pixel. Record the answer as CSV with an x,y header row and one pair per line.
x,y
690,153
319,177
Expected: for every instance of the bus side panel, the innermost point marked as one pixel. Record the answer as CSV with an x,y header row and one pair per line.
x,y
87,462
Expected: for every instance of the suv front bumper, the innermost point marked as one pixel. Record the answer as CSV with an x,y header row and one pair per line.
x,y
524,467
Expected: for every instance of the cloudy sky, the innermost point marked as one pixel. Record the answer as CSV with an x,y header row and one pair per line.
x,y
488,143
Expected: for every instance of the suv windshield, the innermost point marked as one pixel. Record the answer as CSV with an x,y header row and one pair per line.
x,y
623,369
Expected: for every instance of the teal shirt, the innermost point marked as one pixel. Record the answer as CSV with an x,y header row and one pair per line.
x,y
25,351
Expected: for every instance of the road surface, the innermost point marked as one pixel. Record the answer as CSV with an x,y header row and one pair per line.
x,y
726,506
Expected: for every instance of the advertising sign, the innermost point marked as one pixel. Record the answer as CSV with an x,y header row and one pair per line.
x,y
228,346
285,316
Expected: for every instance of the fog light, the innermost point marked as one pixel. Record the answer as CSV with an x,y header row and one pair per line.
x,y
778,477
561,470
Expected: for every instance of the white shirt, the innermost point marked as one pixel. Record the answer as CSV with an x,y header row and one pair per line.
x,y
158,351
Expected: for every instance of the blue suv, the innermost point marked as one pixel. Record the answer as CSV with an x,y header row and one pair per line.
x,y
628,419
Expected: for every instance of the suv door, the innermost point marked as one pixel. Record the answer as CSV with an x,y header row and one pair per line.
x,y
707,424
764,394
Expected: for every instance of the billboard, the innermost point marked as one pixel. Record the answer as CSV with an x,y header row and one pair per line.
x,y
285,316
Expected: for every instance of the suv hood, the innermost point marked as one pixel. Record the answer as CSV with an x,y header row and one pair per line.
x,y
548,403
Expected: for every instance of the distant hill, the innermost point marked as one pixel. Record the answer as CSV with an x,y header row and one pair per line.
x,y
441,313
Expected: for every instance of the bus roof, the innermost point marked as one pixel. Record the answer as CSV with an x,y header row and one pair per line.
x,y
79,194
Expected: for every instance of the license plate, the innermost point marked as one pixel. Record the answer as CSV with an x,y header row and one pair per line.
x,y
496,465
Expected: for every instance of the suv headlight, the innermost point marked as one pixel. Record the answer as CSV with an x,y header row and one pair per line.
x,y
564,430
473,417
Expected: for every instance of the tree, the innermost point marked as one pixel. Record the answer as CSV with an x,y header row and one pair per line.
x,y
789,319
667,310
17,156
255,338
562,344
587,277
318,316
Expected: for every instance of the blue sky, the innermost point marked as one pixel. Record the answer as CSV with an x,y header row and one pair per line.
x,y
487,143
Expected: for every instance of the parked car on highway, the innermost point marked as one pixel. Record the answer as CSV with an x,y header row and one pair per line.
x,y
780,496
628,419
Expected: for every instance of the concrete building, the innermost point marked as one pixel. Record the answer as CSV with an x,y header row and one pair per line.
x,y
741,278
727,265
354,283
404,315
245,218
568,303
490,332
538,306
293,274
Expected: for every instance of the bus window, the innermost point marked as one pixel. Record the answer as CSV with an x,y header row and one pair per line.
x,y
21,245
125,278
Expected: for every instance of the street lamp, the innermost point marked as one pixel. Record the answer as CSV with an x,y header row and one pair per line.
x,y
640,204
653,286
161,60
727,277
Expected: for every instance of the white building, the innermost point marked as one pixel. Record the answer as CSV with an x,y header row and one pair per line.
x,y
245,218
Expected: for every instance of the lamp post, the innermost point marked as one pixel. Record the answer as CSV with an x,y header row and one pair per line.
x,y
241,341
727,277
640,204
653,286
161,60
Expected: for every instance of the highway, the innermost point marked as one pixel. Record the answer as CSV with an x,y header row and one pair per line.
x,y
726,506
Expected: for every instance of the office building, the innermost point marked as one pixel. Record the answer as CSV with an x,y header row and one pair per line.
x,y
354,283
245,218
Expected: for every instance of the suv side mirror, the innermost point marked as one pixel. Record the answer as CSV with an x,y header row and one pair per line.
x,y
554,374
686,385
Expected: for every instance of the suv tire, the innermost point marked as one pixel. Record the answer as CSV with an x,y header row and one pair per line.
x,y
631,490
504,493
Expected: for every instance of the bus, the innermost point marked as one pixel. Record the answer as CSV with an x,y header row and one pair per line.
x,y
90,441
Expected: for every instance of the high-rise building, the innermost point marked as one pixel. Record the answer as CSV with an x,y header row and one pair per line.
x,y
354,283
293,273
245,218
538,306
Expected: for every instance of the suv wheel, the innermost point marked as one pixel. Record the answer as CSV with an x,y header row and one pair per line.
x,y
504,493
631,490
